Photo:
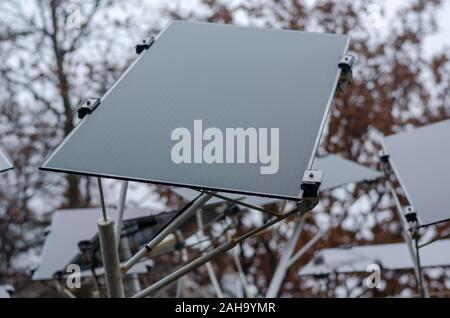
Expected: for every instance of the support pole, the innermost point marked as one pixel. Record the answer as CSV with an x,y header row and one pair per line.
x,y
180,219
110,258
412,246
283,265
307,246
185,269
239,202
120,210
241,273
302,208
130,281
209,268
110,255
63,290
423,293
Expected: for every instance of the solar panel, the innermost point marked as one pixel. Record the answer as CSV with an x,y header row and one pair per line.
x,y
6,290
338,171
212,106
5,162
68,228
420,159
388,256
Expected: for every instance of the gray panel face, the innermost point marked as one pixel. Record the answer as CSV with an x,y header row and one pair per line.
x,y
389,256
226,76
420,160
67,229
5,162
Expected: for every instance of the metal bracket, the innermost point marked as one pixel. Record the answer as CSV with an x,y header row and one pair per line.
x,y
346,78
411,218
84,246
410,214
384,157
145,45
88,106
311,182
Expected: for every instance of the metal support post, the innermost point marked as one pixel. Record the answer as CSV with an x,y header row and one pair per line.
x,y
110,256
283,265
121,209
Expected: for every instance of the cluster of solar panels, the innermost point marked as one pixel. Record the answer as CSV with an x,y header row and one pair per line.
x,y
69,227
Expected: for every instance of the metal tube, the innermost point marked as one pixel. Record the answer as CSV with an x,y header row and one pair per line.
x,y
209,268
186,269
421,285
409,241
130,281
102,199
120,210
63,290
238,202
307,246
241,273
110,258
283,265
166,231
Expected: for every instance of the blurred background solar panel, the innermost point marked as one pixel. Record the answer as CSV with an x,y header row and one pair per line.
x,y
226,76
5,162
68,228
388,256
420,159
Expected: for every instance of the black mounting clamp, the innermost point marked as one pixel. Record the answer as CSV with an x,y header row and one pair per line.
x,y
88,106
145,45
346,77
384,158
84,246
311,182
411,218
384,163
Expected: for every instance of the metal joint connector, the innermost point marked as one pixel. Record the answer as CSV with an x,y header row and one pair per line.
x,y
88,106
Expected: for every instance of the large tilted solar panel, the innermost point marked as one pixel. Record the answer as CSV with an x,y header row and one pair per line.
x,y
5,162
389,256
338,171
67,229
198,76
420,160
